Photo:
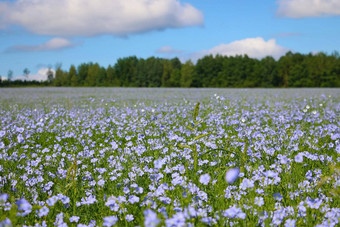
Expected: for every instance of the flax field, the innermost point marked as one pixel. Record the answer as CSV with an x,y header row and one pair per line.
x,y
169,157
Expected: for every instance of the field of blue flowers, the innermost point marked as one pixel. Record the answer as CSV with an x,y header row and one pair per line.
x,y
169,157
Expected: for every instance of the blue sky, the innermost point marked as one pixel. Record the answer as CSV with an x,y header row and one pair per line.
x,y
36,34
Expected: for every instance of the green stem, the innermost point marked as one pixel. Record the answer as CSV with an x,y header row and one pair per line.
x,y
195,158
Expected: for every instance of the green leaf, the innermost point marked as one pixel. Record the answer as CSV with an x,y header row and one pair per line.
x,y
183,146
197,109
192,129
201,136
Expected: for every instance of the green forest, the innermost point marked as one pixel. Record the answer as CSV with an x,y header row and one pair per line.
x,y
291,70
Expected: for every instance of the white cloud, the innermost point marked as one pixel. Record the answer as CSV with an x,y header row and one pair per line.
x,y
41,75
89,18
53,44
308,8
168,50
253,47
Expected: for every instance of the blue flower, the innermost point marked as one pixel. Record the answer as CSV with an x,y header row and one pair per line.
x,y
234,212
59,221
110,221
6,223
3,198
259,201
205,178
158,163
277,196
232,175
101,182
74,219
20,139
51,201
299,158
43,211
133,199
23,205
150,218
129,217
246,183
290,223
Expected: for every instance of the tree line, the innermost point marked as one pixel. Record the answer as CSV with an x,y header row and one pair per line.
x,y
291,70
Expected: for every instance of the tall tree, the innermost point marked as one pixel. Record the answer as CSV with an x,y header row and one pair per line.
x,y
72,74
58,75
154,72
141,74
126,70
167,69
26,72
111,77
268,71
284,66
101,77
175,78
82,73
49,75
92,73
187,73
9,75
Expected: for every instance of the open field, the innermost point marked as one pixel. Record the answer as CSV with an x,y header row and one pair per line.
x,y
169,157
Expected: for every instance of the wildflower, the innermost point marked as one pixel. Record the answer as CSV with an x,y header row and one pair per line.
x,y
259,191
126,190
299,158
150,218
110,221
59,221
283,159
259,201
234,212
314,203
121,199
24,205
20,139
133,199
129,217
139,190
6,223
177,220
158,163
277,196
232,175
92,223
43,211
246,183
51,201
3,198
101,182
64,199
74,219
202,195
82,225
290,223
91,199
204,179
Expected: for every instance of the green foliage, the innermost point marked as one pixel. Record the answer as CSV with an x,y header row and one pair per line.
x,y
73,76
291,70
9,75
187,73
